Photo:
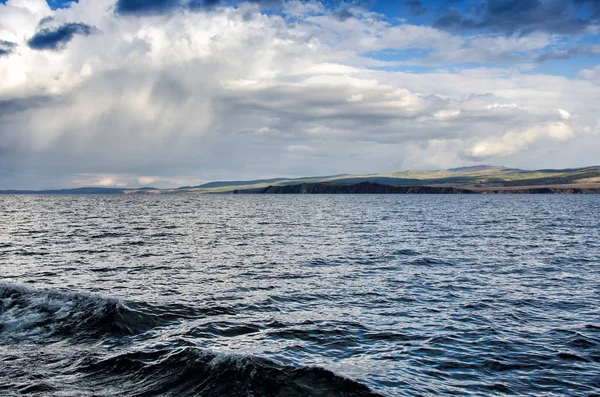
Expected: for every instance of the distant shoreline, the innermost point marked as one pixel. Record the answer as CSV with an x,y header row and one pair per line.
x,y
331,188
481,179
375,188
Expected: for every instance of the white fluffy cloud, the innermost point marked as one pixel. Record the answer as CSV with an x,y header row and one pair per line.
x,y
515,141
590,74
234,93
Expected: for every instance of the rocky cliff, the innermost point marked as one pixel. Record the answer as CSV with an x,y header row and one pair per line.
x,y
361,188
376,188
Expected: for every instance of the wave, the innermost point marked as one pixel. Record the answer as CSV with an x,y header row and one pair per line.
x,y
175,367
188,371
27,313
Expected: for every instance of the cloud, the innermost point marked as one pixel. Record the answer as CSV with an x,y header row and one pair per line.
x,y
446,114
585,50
486,48
297,8
146,7
117,180
515,141
57,39
438,46
415,7
590,74
408,36
343,14
6,47
433,154
157,7
564,114
523,16
235,93
18,105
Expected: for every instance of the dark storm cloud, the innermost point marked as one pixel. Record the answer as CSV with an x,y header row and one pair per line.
x,y
45,21
580,50
522,16
57,38
6,47
157,7
196,4
343,15
11,107
415,7
347,10
144,7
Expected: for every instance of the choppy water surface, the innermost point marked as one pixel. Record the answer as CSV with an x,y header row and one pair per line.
x,y
300,295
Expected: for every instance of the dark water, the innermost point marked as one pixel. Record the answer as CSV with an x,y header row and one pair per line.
x,y
300,295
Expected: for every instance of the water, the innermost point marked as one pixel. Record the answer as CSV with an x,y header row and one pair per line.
x,y
300,295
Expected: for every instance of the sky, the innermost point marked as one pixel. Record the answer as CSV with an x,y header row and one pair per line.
x,y
168,93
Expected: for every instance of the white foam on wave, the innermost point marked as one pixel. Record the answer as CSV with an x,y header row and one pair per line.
x,y
27,313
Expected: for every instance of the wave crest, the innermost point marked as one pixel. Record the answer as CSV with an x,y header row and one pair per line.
x,y
27,313
189,371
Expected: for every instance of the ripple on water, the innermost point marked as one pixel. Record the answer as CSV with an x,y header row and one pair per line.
x,y
300,295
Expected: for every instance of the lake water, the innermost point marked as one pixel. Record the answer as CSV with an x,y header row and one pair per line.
x,y
300,295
